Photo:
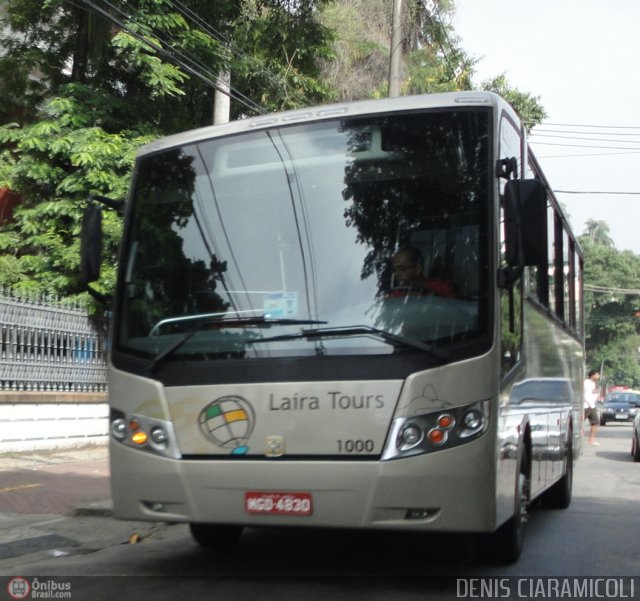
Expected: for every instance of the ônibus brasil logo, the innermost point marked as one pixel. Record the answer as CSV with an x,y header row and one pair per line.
x,y
18,588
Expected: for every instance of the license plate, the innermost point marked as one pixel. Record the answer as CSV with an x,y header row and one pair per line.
x,y
278,503
621,416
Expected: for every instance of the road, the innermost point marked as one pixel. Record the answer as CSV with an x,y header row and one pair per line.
x,y
596,537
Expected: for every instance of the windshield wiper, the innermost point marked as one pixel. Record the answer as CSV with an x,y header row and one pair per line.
x,y
347,331
257,321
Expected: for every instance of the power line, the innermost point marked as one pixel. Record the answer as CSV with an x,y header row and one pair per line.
x,y
433,11
609,289
207,77
226,41
594,147
599,126
549,132
572,137
200,66
593,192
590,154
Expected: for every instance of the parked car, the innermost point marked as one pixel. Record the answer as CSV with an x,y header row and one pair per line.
x,y
633,396
617,411
635,438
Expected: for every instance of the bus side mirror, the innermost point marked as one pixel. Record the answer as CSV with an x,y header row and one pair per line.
x,y
525,222
91,244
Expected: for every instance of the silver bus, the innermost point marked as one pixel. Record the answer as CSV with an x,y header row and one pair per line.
x,y
362,315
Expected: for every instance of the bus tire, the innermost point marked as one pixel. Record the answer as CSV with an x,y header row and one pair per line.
x,y
504,546
559,495
217,537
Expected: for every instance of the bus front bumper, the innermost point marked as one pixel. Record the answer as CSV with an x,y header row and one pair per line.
x,y
451,490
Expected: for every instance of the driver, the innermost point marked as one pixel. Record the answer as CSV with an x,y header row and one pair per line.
x,y
408,267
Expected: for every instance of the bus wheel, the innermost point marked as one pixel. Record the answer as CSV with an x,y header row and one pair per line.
x,y
504,546
559,495
215,536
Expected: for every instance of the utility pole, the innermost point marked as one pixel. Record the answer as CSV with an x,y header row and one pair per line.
x,y
222,99
395,54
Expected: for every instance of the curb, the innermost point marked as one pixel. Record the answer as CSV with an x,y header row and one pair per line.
x,y
103,508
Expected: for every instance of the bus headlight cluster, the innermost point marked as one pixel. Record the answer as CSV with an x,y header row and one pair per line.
x,y
437,430
143,433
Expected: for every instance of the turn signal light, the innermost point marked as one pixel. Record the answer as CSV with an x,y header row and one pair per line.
x,y
437,436
446,421
139,437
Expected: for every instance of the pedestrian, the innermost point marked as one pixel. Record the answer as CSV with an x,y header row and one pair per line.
x,y
591,397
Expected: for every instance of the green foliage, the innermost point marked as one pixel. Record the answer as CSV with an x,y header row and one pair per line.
x,y
612,331
57,162
154,59
597,232
103,92
429,73
282,43
162,78
359,65
620,360
528,107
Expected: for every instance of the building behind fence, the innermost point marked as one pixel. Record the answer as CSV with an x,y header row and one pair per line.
x,y
50,346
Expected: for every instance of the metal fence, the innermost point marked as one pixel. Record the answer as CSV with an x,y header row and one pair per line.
x,y
50,346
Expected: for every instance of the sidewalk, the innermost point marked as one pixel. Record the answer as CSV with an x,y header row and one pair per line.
x,y
18,460
34,488
56,482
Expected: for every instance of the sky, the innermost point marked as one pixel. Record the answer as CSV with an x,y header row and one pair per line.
x,y
582,59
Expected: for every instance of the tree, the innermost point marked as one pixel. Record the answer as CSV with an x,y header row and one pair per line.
x,y
57,162
598,232
359,65
612,331
434,60
163,57
90,90
281,43
528,107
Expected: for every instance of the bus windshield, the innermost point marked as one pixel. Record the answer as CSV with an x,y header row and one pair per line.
x,y
351,236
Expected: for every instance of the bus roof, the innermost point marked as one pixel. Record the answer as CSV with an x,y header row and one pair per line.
x,y
329,111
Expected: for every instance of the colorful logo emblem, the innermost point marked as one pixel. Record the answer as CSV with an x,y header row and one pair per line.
x,y
228,422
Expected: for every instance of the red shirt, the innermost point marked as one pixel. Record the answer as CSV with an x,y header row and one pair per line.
x,y
428,286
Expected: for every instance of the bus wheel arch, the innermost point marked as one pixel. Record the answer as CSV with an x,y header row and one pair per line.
x,y
635,447
504,546
559,495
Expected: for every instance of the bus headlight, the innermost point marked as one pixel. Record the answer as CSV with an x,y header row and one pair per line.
x,y
472,421
410,436
119,428
437,430
144,433
159,437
